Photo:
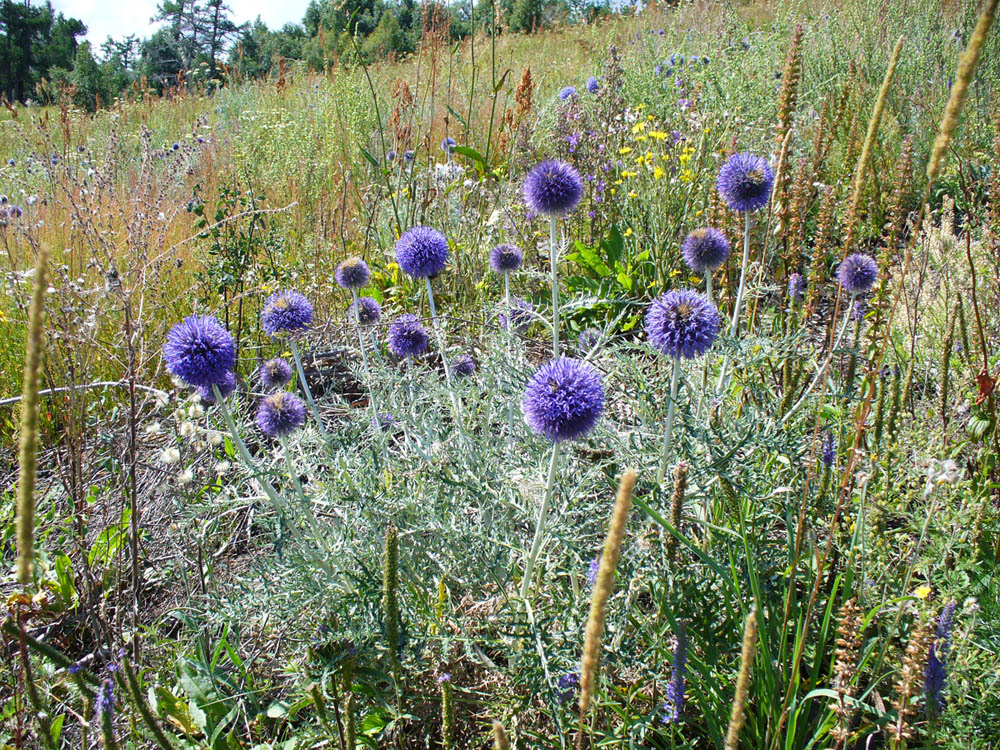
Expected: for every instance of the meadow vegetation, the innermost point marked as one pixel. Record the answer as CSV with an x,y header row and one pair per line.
x,y
757,505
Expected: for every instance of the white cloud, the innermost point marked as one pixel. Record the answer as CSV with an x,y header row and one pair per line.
x,y
119,18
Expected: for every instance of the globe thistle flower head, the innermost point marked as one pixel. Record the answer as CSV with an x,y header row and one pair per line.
x,y
567,92
568,685
553,188
705,249
422,252
226,386
199,351
366,311
384,421
286,312
857,274
390,155
593,85
463,366
745,182
352,273
796,287
563,399
448,145
407,336
408,156
682,323
506,258
518,317
275,374
280,414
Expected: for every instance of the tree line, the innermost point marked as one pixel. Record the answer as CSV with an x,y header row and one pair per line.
x,y
198,43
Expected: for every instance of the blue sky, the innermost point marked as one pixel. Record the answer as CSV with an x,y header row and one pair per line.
x,y
119,18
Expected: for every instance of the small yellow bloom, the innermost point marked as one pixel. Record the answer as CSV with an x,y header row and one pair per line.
x,y
658,173
632,194
628,232
922,592
625,149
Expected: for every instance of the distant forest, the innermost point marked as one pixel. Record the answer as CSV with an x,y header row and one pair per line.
x,y
198,43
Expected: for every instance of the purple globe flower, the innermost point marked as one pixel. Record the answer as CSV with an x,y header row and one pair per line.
x,y
421,252
745,182
463,366
796,287
366,311
519,317
199,351
352,273
448,145
857,273
567,92
226,386
705,249
563,400
506,258
682,323
275,374
286,312
408,156
384,421
593,85
390,155
280,414
407,336
553,188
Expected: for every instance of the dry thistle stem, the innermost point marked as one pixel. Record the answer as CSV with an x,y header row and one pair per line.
x,y
739,715
29,422
500,741
603,588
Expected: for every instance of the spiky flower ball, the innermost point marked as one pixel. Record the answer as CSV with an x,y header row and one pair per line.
x,y
407,336
275,374
366,311
280,414
563,400
448,145
199,351
518,317
226,386
796,287
705,249
682,323
352,273
506,258
567,93
745,182
463,366
553,188
286,312
593,85
421,252
857,273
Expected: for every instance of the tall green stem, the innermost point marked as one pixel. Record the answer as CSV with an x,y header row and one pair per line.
x,y
543,512
305,386
444,355
734,325
553,263
668,427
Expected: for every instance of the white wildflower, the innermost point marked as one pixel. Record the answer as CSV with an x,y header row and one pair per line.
x,y
222,467
153,428
196,411
187,429
170,455
185,477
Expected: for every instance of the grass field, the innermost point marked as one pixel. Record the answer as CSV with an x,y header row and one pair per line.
x,y
388,550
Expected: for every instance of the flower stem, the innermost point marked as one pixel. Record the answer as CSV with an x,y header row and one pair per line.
x,y
734,325
536,544
668,427
277,503
444,355
305,386
364,355
821,371
553,258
